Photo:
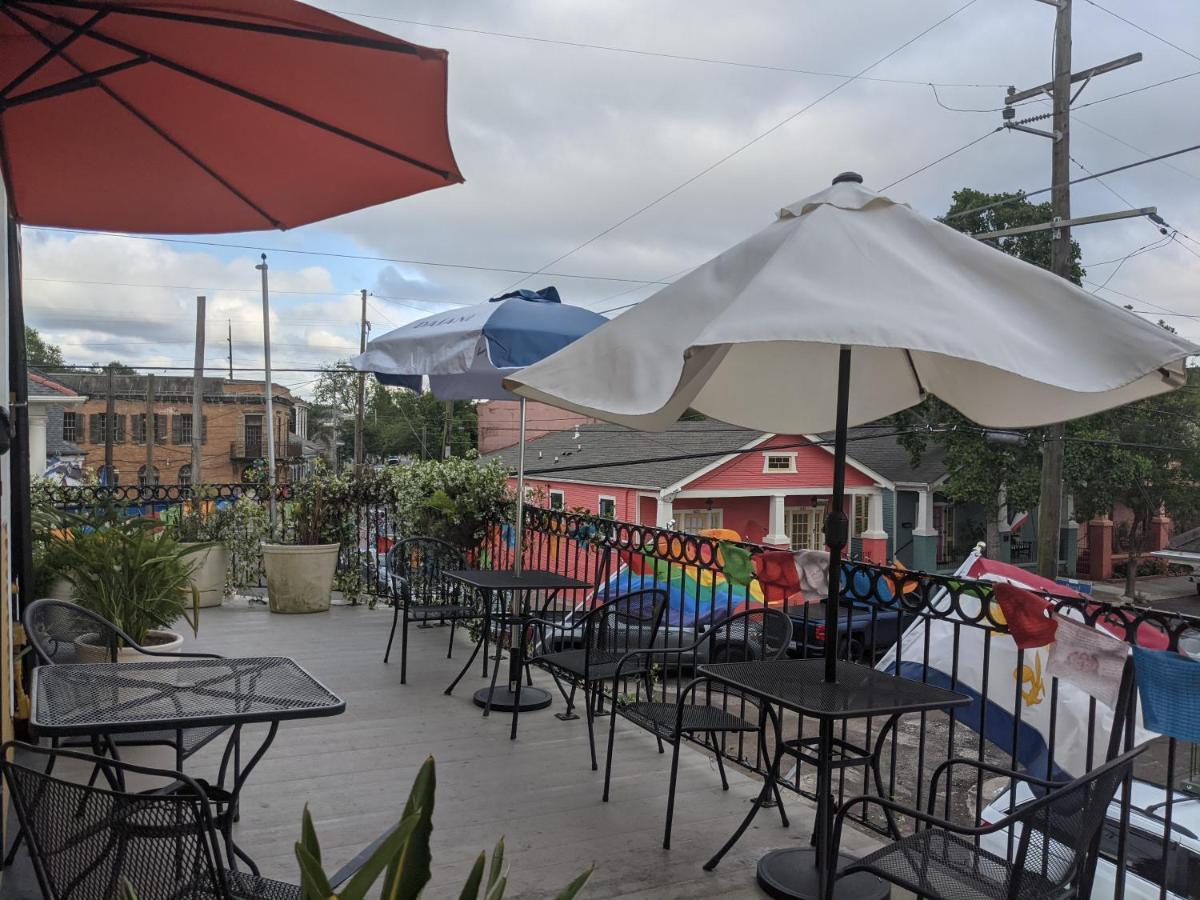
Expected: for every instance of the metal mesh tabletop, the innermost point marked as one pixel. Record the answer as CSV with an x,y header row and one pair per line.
x,y
529,580
110,698
799,685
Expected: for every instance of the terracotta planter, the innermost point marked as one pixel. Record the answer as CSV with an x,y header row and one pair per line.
x,y
157,639
299,577
208,573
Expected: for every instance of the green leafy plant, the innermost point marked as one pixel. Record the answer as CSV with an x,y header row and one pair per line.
x,y
129,570
241,525
404,859
456,500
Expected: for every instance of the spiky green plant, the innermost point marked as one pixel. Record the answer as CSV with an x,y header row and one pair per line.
x,y
128,570
404,858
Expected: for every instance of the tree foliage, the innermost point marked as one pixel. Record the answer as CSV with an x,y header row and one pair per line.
x,y
41,353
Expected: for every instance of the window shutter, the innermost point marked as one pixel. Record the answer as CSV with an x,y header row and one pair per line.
x,y
119,436
177,429
160,428
139,428
203,429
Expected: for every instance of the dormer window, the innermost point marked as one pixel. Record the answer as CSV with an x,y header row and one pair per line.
x,y
779,462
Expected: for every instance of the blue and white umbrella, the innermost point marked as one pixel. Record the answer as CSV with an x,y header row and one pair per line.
x,y
465,354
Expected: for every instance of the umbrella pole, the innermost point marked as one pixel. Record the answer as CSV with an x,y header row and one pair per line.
x,y
520,524
837,523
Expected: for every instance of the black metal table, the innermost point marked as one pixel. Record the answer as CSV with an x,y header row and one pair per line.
x,y
99,699
860,692
488,582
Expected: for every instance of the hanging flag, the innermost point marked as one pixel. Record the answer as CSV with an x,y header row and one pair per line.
x,y
778,574
1169,685
1088,658
1030,619
735,563
1012,701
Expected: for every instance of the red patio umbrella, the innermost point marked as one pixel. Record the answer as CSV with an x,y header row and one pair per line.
x,y
203,116
200,116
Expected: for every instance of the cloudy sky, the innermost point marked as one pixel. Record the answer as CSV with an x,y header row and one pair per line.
x,y
562,134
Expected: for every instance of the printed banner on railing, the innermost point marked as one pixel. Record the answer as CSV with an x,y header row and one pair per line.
x,y
1012,705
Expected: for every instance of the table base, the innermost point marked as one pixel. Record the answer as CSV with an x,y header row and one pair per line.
x,y
504,700
792,873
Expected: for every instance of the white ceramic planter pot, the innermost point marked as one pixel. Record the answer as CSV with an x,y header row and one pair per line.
x,y
208,573
299,578
160,640
61,589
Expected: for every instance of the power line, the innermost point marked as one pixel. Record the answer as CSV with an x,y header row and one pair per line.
x,y
728,156
1144,31
609,48
336,255
944,157
1022,195
1136,149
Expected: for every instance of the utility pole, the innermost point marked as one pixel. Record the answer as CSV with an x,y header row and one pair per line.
x,y
268,398
110,425
229,338
360,403
1050,497
149,432
1050,501
198,393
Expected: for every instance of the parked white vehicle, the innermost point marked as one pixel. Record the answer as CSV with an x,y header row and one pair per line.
x,y
1146,874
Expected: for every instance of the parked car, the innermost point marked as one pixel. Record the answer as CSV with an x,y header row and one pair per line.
x,y
869,630
1146,874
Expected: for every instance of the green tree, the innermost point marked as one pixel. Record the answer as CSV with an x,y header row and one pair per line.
x,y
996,474
41,353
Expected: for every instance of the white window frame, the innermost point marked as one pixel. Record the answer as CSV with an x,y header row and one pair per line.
x,y
815,529
704,519
600,506
865,500
791,466
562,500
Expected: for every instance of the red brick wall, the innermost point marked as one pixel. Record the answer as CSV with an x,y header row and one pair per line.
x,y
500,422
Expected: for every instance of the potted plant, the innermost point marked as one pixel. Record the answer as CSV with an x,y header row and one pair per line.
x,y
129,570
300,573
205,521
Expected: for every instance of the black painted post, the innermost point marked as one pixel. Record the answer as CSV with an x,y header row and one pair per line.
x,y
837,523
19,474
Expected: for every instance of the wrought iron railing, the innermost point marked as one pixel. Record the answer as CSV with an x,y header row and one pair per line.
x,y
936,628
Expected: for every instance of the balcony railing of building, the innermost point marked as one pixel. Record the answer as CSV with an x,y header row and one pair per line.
x,y
937,628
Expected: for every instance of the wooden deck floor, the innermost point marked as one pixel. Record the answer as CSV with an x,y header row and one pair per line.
x,y
539,792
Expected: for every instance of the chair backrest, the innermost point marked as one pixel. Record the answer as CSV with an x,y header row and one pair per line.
x,y
758,633
1058,832
55,627
417,566
628,622
86,841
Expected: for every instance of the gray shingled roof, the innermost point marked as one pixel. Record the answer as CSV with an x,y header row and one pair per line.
x,y
603,444
39,388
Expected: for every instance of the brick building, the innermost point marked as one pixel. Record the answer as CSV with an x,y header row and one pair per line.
x,y
233,428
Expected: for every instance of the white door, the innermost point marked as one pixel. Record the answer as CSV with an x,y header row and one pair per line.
x,y
805,527
693,521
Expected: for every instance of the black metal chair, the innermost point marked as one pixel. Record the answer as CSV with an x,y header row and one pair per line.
x,y
56,629
584,650
88,842
422,593
752,634
1055,837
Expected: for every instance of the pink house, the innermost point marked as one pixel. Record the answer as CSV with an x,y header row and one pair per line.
x,y
499,422
770,488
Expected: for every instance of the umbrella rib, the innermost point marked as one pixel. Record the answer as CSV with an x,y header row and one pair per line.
x,y
116,98
69,85
246,95
913,367
393,45
54,51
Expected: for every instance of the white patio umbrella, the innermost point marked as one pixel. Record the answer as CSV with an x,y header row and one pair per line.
x,y
762,336
465,354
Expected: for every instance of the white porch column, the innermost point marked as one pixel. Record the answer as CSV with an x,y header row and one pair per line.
x,y
666,510
778,533
37,440
875,518
924,543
